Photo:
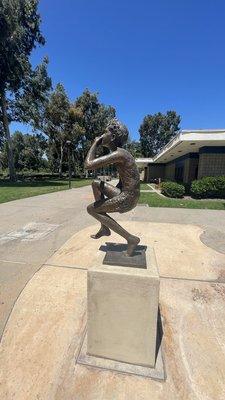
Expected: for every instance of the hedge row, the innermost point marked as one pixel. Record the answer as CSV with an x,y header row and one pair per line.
x,y
173,189
209,187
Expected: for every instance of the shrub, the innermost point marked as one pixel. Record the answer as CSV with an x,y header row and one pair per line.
x,y
173,189
209,187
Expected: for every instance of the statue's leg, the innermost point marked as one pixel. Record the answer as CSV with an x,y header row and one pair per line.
x,y
106,220
98,195
103,189
100,190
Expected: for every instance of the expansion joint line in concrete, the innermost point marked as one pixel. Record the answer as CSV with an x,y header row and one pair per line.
x,y
191,280
14,262
64,266
161,276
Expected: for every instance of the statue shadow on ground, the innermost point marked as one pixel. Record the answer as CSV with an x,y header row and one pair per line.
x,y
159,334
116,255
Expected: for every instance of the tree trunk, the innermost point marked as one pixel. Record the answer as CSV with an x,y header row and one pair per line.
x,y
61,161
83,154
5,121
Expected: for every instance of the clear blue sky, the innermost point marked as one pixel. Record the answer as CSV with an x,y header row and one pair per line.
x,y
141,56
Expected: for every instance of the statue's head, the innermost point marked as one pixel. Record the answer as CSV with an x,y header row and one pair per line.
x,y
116,133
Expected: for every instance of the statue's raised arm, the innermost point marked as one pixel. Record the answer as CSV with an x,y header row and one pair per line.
x,y
109,198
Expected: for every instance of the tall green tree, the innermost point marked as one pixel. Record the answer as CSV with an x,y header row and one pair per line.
x,y
157,130
20,33
1,134
134,147
30,101
56,123
1,144
79,122
89,118
29,151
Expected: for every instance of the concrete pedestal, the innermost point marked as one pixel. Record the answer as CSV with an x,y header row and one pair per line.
x,y
122,312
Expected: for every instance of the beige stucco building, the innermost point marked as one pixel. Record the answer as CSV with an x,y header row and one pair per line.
x,y
190,155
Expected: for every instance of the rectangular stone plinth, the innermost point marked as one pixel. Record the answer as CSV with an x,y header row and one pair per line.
x,y
122,312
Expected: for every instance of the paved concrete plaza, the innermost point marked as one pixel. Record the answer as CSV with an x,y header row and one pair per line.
x,y
45,329
22,256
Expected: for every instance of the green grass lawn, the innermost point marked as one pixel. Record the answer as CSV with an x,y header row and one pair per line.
x,y
155,200
19,190
144,186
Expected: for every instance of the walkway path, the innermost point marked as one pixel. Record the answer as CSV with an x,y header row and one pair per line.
x,y
33,229
41,344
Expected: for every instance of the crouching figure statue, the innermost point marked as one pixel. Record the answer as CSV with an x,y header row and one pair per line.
x,y
108,198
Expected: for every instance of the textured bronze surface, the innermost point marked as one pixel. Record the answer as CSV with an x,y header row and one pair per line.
x,y
109,198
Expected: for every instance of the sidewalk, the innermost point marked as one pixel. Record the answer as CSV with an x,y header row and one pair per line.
x,y
49,220
62,214
44,333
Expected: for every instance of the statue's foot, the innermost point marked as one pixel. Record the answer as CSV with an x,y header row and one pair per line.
x,y
102,232
132,244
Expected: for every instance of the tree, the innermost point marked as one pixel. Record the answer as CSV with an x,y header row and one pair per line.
x,y
89,118
20,33
32,156
134,147
1,135
30,103
157,130
56,123
1,145
79,123
28,151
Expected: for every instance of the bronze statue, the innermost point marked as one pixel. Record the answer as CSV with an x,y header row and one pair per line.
x,y
108,198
